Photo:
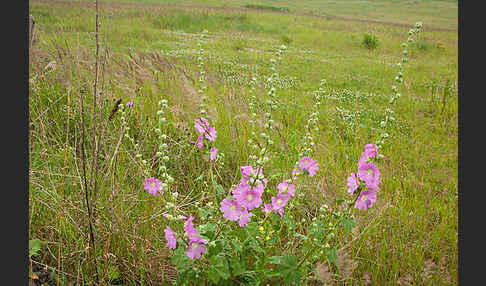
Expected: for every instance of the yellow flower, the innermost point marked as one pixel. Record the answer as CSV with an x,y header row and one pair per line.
x,y
267,237
261,229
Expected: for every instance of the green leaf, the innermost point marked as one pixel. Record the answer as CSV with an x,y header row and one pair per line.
x,y
339,202
219,189
348,224
332,255
255,245
207,228
204,212
287,268
180,259
237,266
237,245
220,266
35,246
213,275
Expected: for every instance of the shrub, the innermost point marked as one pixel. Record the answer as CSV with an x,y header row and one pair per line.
x,y
370,41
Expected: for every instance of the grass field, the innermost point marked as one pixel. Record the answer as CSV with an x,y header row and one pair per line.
x,y
149,51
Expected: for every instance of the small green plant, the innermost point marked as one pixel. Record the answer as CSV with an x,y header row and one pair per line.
x,y
370,41
35,246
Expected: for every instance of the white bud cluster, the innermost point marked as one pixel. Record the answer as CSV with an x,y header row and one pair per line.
x,y
126,134
258,154
313,121
202,76
384,124
163,148
252,120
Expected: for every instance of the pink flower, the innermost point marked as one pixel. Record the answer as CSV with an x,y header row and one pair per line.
x,y
189,228
370,175
352,183
286,189
153,186
365,200
211,134
201,125
213,155
129,103
267,208
231,209
280,211
371,150
171,237
247,173
244,218
279,201
196,248
199,142
309,165
247,196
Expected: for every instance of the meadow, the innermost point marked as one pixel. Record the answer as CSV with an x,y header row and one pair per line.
x,y
301,73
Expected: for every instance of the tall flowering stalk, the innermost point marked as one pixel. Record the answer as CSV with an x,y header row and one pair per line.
x,y
202,85
162,153
252,122
313,121
126,134
389,119
206,132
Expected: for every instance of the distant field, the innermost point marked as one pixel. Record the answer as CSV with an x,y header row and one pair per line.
x,y
149,51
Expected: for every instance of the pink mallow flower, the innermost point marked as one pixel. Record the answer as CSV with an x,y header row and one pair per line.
x,y
189,228
199,142
247,196
309,165
213,154
196,247
171,237
210,134
202,127
278,203
231,209
153,186
129,103
244,218
286,189
370,175
352,183
371,150
247,173
365,200
267,208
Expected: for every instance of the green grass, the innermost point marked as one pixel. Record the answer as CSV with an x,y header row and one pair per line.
x,y
153,55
